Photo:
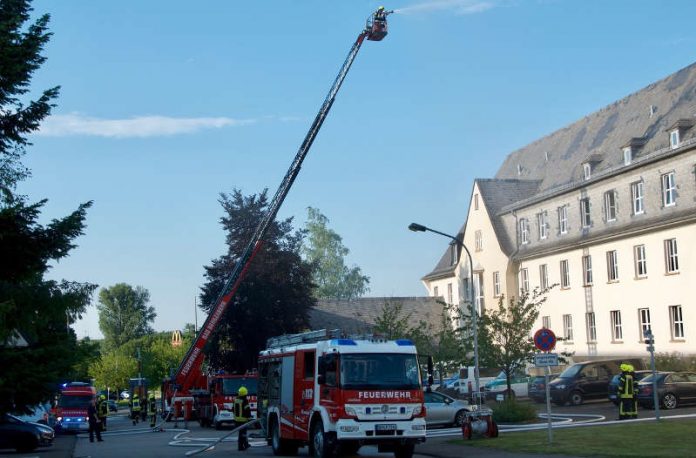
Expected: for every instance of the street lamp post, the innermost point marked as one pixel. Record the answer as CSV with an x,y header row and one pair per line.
x,y
474,313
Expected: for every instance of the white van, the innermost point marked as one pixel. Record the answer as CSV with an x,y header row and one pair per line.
x,y
466,381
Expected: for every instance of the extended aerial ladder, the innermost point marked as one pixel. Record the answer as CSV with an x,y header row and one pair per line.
x,y
188,377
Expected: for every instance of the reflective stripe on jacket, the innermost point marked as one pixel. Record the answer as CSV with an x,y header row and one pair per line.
x,y
242,411
626,386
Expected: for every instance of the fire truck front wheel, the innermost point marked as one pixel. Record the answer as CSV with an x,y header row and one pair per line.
x,y
280,446
320,446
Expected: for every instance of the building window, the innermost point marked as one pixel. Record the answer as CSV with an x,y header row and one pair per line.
x,y
449,294
587,171
628,156
612,266
563,219
669,190
524,231
543,276
524,280
568,327
616,331
587,270
496,284
436,291
591,327
610,205
640,261
542,220
585,212
546,322
478,291
453,253
475,201
676,321
674,139
478,238
637,197
671,256
565,274
644,320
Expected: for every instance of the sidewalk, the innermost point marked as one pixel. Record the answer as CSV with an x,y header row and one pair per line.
x,y
441,447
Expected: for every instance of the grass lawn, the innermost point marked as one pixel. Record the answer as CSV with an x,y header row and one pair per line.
x,y
673,438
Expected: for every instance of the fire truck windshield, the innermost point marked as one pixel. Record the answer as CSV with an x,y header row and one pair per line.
x,y
231,386
380,371
74,402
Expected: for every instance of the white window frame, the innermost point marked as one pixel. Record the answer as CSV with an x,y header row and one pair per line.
x,y
542,220
478,291
643,322
616,328
476,205
478,240
587,270
676,322
591,323
524,231
450,296
674,139
546,322
587,171
565,274
610,205
627,155
640,261
612,266
669,189
568,327
637,197
671,256
585,215
524,280
563,219
496,284
543,276
436,290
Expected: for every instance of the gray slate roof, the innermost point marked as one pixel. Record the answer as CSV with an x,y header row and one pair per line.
x,y
359,315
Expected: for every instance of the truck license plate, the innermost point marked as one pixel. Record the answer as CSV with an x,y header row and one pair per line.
x,y
385,427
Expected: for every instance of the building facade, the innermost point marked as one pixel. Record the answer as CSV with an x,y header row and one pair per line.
x,y
605,210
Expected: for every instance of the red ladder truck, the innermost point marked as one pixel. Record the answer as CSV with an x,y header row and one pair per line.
x,y
189,380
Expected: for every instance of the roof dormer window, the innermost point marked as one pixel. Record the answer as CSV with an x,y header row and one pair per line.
x,y
628,155
674,139
587,170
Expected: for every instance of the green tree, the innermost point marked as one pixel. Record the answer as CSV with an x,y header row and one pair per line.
x,y
325,250
88,352
36,309
392,322
276,294
124,314
113,370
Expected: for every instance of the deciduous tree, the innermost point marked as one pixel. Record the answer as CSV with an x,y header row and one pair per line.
x,y
124,314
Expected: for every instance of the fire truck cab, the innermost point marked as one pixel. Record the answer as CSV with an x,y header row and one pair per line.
x,y
332,394
216,406
71,411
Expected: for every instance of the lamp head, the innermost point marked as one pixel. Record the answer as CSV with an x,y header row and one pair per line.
x,y
415,227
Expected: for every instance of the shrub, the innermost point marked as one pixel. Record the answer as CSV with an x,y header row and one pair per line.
x,y
513,411
674,362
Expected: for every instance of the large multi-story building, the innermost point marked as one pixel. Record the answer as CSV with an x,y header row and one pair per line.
x,y
605,209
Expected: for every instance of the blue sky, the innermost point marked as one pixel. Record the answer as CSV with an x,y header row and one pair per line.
x,y
165,104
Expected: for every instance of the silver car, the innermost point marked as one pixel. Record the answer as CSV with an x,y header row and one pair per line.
x,y
442,410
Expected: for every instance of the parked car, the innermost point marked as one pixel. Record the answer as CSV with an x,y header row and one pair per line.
x,y
443,410
673,389
23,436
614,384
40,413
498,386
536,387
587,380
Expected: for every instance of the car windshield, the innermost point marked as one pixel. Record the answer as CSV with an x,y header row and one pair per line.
x,y
649,378
74,402
380,371
231,386
571,372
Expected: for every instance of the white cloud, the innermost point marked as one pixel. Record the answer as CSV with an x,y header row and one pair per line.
x,y
140,126
457,6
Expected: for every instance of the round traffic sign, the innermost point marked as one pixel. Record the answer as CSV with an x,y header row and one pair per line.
x,y
545,339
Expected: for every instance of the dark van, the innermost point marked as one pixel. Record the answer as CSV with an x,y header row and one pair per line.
x,y
587,380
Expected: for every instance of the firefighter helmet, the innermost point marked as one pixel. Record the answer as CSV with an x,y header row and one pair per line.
x,y
242,391
625,367
102,397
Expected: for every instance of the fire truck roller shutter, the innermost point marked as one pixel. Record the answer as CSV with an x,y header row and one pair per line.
x,y
286,382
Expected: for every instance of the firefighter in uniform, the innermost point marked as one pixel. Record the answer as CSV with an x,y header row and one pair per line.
x,y
102,411
242,414
152,410
627,395
135,409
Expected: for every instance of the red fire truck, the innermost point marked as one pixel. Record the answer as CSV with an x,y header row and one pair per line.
x,y
216,406
71,411
336,394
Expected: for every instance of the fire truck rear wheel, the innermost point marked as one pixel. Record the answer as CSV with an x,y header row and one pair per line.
x,y
281,447
404,451
320,447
